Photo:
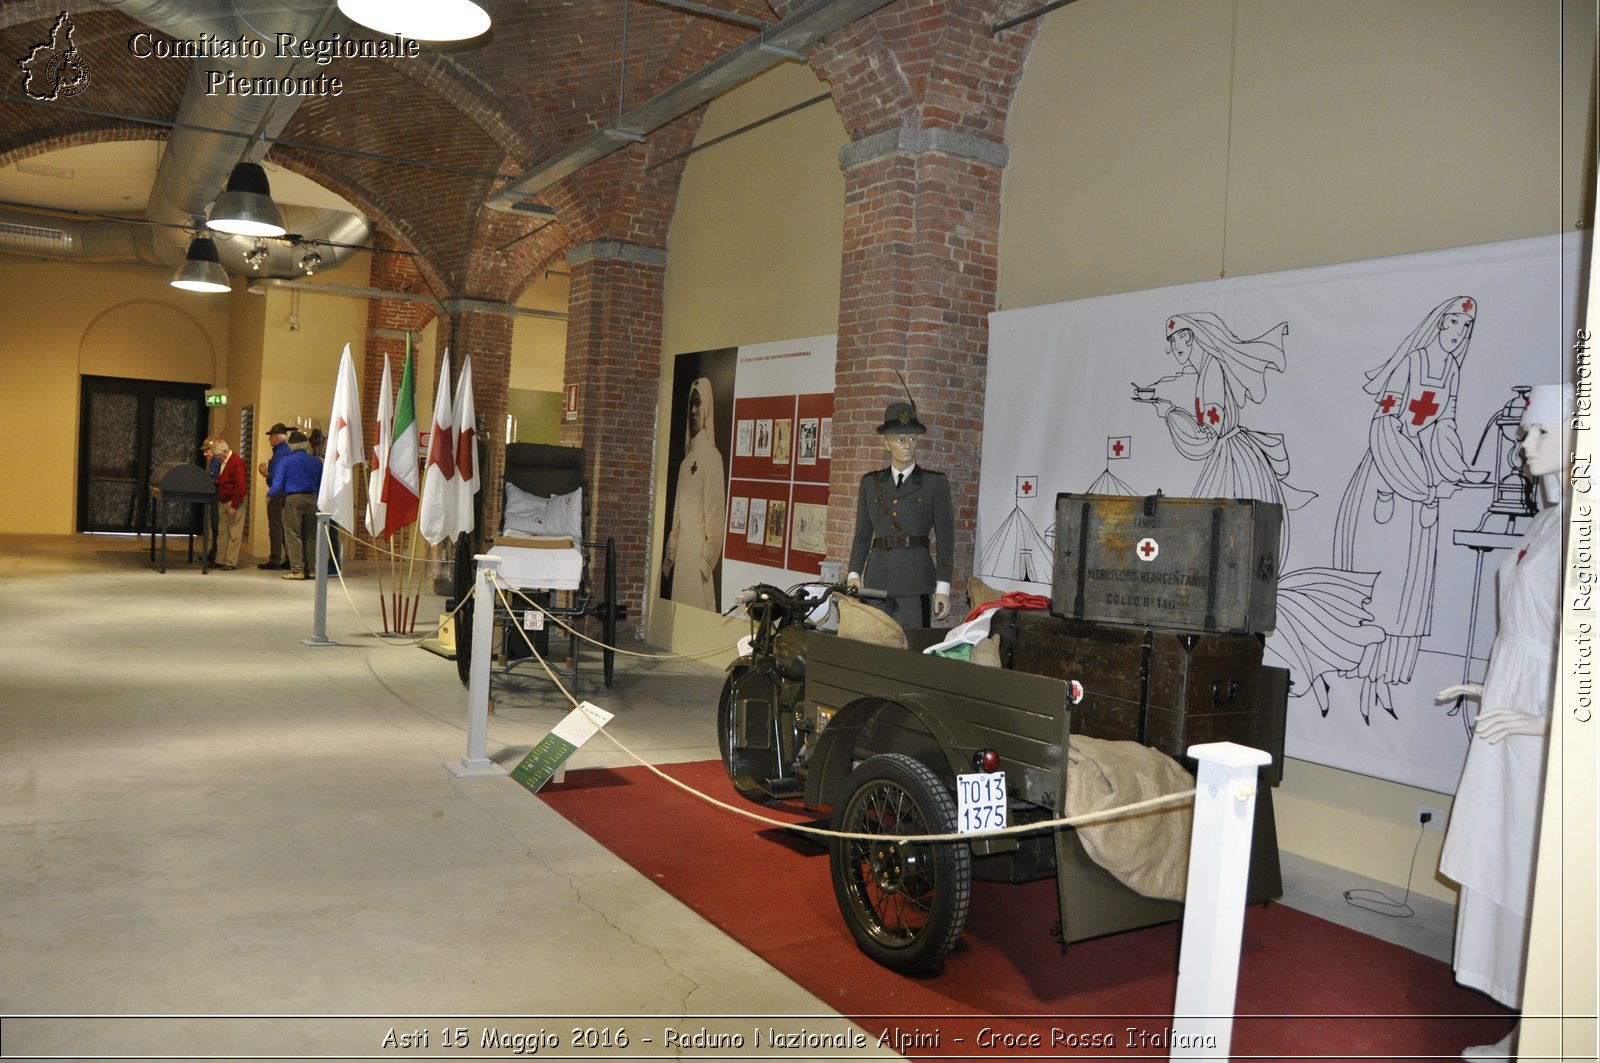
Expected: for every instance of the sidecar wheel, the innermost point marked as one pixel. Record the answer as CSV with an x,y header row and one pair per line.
x,y
905,903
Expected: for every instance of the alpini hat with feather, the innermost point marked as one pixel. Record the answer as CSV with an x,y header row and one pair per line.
x,y
901,417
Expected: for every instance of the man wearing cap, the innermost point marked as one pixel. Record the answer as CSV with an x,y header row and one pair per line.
x,y
896,509
233,482
276,436
295,479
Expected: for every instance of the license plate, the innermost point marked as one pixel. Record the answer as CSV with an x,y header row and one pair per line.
x,y
532,620
980,801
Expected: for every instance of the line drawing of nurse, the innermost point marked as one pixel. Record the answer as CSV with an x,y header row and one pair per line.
x,y
1389,516
1238,462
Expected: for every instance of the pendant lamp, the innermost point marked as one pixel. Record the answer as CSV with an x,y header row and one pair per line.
x,y
201,270
245,207
424,20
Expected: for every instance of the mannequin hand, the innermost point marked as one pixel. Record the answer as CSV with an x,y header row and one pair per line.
x,y
1495,724
1471,691
941,606
853,582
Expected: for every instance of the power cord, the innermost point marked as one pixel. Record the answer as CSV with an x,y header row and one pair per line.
x,y
1379,902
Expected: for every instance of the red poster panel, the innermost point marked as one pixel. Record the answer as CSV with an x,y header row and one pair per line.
x,y
813,438
758,522
763,437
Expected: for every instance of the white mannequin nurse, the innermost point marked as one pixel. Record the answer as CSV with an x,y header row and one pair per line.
x,y
1493,833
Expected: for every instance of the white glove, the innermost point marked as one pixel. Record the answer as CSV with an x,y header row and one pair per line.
x,y
853,581
1495,724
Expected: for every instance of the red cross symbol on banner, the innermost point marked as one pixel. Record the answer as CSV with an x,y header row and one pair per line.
x,y
1147,549
1422,409
1077,691
1118,447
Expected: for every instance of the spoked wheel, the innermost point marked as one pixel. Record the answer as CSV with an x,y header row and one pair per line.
x,y
905,903
608,623
742,783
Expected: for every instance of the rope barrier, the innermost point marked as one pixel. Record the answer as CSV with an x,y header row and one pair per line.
x,y
386,638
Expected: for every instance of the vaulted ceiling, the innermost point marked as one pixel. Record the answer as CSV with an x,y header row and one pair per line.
x,y
420,145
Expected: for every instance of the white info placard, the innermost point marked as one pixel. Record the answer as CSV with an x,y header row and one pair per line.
x,y
980,801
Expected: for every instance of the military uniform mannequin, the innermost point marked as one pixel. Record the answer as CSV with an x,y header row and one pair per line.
x,y
896,509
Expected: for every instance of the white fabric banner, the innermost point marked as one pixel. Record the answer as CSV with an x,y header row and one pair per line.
x,y
1369,398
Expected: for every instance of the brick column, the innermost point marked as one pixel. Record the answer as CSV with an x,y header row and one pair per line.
x,y
614,358
920,266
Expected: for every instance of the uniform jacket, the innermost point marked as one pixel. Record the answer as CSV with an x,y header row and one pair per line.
x,y
919,507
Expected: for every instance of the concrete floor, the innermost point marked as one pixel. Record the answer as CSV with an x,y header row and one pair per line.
x,y
202,816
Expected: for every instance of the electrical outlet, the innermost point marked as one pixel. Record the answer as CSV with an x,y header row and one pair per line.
x,y
1430,817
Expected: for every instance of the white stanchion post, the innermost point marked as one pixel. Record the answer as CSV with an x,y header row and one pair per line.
x,y
1213,907
319,610
475,764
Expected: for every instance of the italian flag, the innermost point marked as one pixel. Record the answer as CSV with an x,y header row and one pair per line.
x,y
400,471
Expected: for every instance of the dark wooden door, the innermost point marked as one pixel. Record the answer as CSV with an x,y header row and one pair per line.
x,y
127,428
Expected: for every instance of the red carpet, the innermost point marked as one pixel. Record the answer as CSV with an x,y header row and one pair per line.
x,y
1307,987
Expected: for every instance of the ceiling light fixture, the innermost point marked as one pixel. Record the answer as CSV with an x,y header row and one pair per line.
x,y
201,270
311,262
424,20
256,257
245,207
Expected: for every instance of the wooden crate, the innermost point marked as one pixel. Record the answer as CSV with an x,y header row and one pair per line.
x,y
1189,564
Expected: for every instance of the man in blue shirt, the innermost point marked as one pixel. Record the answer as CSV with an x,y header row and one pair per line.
x,y
296,478
280,449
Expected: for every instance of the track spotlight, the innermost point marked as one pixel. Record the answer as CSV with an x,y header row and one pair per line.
x,y
201,270
256,257
245,207
311,262
425,20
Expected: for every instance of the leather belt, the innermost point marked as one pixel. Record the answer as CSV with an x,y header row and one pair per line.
x,y
899,542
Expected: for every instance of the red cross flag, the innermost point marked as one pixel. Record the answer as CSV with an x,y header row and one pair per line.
x,y
1027,486
337,494
1118,447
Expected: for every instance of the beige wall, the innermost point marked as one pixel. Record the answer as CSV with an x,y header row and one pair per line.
x,y
1160,142
754,255
63,320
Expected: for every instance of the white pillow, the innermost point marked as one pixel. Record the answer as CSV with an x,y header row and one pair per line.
x,y
530,514
525,512
565,515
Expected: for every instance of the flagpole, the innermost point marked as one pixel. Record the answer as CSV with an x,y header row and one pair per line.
x,y
382,604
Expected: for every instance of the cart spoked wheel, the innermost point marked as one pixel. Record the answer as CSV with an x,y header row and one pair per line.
x,y
905,902
462,580
608,622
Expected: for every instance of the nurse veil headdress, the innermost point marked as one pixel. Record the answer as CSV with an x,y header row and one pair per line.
x,y
1245,362
1423,335
708,420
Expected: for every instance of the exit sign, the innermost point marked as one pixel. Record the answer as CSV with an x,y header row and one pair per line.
x,y
217,397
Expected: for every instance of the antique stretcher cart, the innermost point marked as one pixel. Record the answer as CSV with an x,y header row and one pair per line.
x,y
548,558
867,729
181,483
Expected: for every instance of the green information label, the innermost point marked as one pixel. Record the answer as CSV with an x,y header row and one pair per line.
x,y
546,758
542,761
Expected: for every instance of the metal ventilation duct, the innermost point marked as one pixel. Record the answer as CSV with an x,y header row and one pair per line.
x,y
210,134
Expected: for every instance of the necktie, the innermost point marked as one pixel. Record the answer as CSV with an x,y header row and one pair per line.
x,y
899,478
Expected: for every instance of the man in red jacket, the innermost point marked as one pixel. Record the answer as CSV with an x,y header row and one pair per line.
x,y
232,484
